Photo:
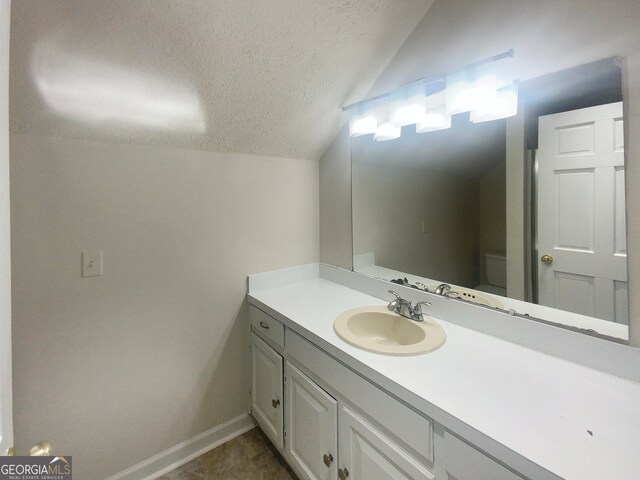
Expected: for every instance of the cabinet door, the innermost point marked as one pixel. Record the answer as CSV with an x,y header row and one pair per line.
x,y
311,427
368,454
266,389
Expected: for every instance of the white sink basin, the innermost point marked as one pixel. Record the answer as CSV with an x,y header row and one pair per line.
x,y
378,330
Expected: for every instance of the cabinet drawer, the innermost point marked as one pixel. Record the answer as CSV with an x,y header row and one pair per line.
x,y
267,327
410,430
464,462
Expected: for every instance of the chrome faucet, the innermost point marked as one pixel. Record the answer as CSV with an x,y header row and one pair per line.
x,y
443,289
404,308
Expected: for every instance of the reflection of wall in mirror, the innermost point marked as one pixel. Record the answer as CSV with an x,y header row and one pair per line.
x,y
432,224
390,206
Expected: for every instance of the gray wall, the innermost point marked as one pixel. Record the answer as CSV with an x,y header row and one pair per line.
x,y
547,36
117,368
336,236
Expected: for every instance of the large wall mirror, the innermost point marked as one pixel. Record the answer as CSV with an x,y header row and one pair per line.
x,y
434,210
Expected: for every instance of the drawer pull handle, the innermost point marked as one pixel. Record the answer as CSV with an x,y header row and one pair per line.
x,y
275,403
328,459
343,473
264,325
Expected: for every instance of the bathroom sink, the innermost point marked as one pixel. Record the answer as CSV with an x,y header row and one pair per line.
x,y
378,330
472,296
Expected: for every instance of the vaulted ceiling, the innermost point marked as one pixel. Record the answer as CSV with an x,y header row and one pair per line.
x,y
249,76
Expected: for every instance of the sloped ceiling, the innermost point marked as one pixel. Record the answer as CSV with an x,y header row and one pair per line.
x,y
246,76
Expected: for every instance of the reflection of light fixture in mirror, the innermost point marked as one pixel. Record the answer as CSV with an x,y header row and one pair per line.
x,y
387,131
407,105
363,122
471,89
436,116
505,105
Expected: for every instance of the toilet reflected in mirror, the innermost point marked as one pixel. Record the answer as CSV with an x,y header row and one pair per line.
x,y
496,271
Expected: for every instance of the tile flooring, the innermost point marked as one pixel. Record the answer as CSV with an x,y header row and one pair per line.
x,y
247,457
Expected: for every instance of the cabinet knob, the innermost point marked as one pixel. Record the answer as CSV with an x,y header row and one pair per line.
x,y
275,403
328,459
264,325
343,473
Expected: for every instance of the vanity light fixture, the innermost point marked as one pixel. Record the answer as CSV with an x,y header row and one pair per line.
x,y
363,122
473,88
387,131
434,120
504,106
407,105
436,116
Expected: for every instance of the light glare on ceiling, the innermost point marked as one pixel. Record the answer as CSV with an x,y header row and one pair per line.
x,y
86,89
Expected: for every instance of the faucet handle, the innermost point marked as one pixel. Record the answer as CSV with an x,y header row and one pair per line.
x,y
428,304
394,302
417,310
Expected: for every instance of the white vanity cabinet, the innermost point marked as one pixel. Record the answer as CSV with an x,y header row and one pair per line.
x,y
339,425
316,423
266,390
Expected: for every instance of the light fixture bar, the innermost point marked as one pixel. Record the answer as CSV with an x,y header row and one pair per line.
x,y
429,80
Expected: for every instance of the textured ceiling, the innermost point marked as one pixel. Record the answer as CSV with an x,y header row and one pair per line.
x,y
249,76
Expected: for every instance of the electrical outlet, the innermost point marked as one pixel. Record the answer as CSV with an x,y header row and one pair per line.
x,y
92,263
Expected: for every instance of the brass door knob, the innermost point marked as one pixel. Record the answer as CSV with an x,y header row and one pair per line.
x,y
546,258
40,449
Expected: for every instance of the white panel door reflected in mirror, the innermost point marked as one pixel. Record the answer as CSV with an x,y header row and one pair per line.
x,y
582,254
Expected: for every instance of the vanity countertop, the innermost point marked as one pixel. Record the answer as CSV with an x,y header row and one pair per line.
x,y
550,414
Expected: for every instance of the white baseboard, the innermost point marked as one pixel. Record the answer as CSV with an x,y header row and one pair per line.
x,y
178,455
